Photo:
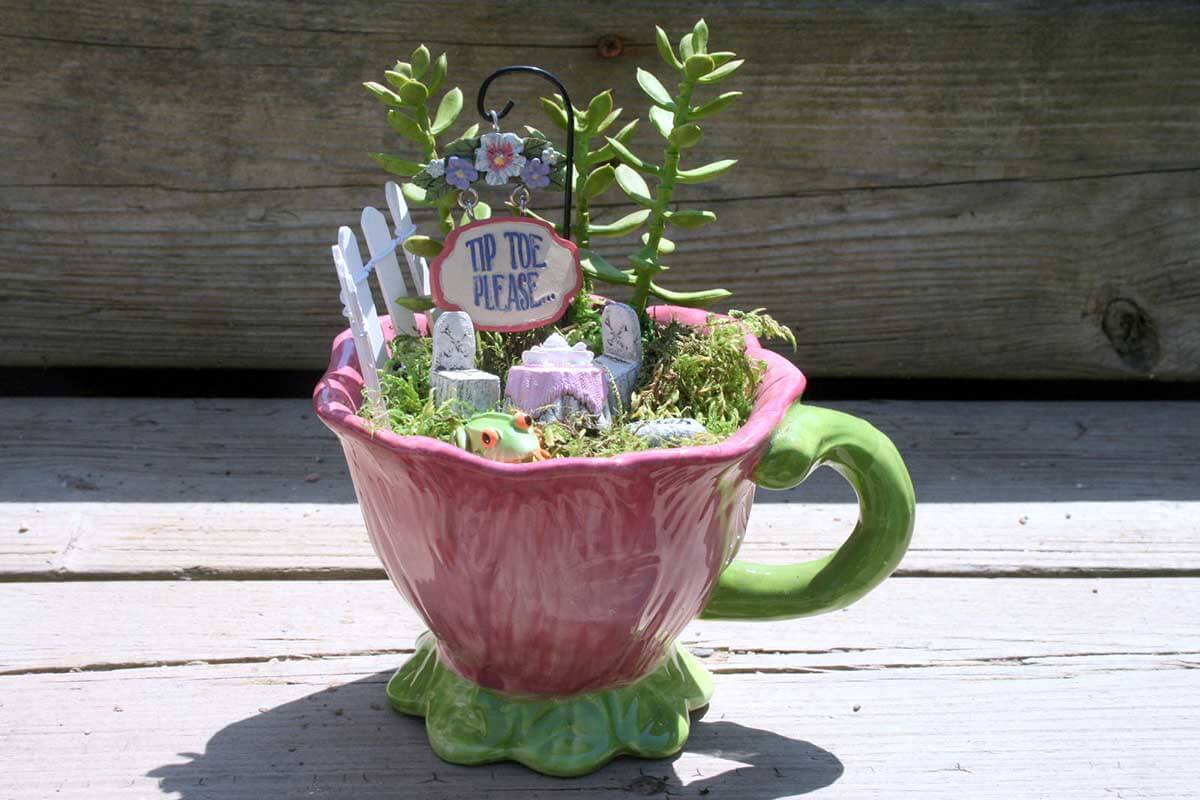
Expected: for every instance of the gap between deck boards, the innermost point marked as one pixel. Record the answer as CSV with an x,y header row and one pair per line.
x,y
906,624
370,574
1177,662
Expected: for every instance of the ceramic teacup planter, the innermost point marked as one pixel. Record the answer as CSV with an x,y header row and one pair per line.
x,y
557,483
554,590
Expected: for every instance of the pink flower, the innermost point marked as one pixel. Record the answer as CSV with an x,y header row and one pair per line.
x,y
499,155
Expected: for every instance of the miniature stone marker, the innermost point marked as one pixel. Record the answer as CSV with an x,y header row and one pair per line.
x,y
453,374
622,359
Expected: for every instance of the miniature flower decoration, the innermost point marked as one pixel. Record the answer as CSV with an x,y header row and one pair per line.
x,y
499,155
459,173
549,155
535,175
436,168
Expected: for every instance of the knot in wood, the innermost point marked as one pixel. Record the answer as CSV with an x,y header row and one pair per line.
x,y
610,45
1132,333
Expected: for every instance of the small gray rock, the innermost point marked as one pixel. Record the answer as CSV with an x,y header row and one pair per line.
x,y
665,431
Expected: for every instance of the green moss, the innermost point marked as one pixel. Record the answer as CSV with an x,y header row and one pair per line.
x,y
404,384
496,352
704,374
404,379
584,322
686,372
572,440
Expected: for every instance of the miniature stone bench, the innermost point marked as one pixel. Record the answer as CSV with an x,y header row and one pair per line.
x,y
453,375
622,359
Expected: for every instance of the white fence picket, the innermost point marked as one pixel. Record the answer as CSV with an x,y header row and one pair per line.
x,y
402,219
387,268
357,299
359,307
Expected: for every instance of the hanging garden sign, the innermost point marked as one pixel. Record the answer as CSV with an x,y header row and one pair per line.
x,y
508,273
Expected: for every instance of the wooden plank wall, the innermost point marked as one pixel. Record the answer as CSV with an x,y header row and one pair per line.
x,y
974,189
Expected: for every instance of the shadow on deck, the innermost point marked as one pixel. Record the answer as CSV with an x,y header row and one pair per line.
x,y
346,742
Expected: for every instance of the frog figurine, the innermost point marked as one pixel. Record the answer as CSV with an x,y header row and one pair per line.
x,y
498,436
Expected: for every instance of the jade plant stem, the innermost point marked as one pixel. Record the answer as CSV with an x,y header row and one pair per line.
x,y
429,150
429,146
411,86
666,189
583,217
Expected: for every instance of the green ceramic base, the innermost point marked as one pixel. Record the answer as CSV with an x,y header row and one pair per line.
x,y
565,736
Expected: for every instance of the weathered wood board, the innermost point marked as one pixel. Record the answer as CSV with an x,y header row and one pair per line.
x,y
1063,728
932,686
918,621
262,451
254,488
73,541
924,190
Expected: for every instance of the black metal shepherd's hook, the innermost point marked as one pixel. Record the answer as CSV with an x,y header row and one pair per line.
x,y
550,76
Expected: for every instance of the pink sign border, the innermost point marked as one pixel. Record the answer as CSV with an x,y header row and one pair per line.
x,y
435,273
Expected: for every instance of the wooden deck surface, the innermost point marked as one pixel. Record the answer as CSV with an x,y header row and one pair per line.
x,y
191,610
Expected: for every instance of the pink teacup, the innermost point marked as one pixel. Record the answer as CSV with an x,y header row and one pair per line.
x,y
570,578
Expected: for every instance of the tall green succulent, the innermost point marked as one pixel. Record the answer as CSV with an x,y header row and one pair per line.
x,y
674,117
413,85
597,168
594,173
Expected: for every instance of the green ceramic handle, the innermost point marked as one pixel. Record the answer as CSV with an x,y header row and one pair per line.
x,y
808,438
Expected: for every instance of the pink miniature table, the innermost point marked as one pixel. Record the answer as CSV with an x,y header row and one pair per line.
x,y
531,388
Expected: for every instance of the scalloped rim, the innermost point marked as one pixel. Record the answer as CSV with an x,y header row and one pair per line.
x,y
339,392
562,736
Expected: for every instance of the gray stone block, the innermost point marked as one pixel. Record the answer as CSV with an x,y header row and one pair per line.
x,y
453,342
474,387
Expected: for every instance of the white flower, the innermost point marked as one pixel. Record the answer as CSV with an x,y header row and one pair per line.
x,y
549,155
436,168
499,155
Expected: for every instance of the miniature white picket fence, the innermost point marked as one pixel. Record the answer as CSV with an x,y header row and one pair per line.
x,y
358,302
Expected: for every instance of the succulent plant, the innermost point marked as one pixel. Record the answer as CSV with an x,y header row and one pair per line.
x,y
675,119
598,165
411,86
595,173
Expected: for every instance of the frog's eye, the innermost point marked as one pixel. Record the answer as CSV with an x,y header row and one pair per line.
x,y
523,422
488,438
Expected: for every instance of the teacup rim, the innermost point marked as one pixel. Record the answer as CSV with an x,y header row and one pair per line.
x,y
339,392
